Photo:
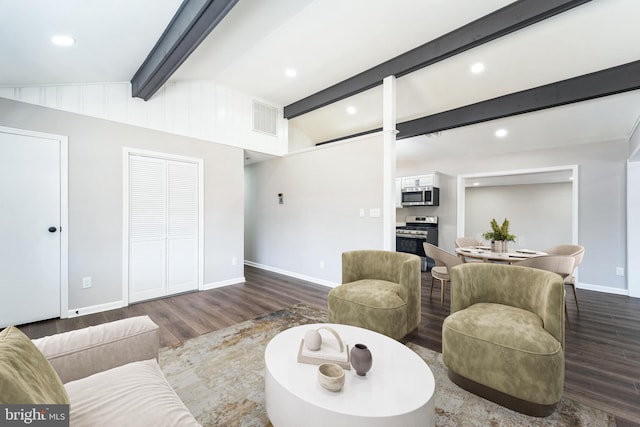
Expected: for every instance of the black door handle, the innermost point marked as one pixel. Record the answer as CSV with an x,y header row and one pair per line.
x,y
52,229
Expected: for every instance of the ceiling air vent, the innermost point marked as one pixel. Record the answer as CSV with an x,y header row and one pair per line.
x,y
265,118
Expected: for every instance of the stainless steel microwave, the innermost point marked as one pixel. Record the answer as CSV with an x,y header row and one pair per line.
x,y
421,196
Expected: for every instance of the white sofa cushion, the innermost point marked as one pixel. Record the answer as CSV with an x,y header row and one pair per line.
x,y
135,394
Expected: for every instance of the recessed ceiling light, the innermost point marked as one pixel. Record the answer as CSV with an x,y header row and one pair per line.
x,y
501,133
290,72
475,184
62,40
478,67
351,110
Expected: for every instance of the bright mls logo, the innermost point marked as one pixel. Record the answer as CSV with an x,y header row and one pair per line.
x,y
34,415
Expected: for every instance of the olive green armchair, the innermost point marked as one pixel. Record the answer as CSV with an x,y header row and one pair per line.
x,y
504,339
380,291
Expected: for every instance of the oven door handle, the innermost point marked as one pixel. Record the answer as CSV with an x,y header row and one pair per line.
x,y
413,237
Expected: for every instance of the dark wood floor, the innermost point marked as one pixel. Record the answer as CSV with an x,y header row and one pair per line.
x,y
602,343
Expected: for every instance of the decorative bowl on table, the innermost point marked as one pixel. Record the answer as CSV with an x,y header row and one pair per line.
x,y
331,376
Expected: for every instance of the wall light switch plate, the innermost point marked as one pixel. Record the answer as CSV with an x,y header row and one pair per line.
x,y
86,282
619,271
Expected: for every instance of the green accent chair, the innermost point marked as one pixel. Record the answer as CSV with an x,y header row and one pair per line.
x,y
380,291
563,265
504,339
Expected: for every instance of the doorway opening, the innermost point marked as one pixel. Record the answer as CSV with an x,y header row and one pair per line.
x,y
566,175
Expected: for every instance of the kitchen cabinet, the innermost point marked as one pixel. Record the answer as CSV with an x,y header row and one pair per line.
x,y
428,180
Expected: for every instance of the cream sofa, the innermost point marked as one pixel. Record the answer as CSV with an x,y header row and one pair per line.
x,y
111,375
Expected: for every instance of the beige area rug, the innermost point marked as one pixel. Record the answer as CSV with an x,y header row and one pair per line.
x,y
220,377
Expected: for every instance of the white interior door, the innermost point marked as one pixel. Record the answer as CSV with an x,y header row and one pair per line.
x,y
164,227
30,228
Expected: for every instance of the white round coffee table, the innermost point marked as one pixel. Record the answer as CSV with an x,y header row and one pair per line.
x,y
397,391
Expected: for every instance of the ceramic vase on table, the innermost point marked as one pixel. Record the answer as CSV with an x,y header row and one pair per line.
x,y
361,359
499,246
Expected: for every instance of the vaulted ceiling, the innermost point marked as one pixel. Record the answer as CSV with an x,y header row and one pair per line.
x,y
329,41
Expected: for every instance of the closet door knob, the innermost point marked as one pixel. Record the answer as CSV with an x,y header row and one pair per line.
x,y
52,229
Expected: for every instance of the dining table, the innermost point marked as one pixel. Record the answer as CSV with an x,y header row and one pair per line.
x,y
485,254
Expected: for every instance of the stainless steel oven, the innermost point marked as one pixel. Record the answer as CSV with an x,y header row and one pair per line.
x,y
410,237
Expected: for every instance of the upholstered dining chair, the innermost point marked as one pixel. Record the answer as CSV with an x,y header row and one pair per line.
x,y
465,242
444,262
575,251
559,264
380,291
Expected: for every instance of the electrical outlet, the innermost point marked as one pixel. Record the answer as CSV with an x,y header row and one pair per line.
x,y
234,261
619,271
321,265
86,282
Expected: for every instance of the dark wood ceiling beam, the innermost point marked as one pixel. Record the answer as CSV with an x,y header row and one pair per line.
x,y
510,18
607,82
611,81
192,23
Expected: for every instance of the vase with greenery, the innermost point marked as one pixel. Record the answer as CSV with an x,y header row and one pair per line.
x,y
499,233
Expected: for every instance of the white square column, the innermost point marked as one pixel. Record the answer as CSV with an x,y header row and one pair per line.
x,y
389,163
633,228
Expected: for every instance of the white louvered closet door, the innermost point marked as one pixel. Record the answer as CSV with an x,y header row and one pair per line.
x,y
163,227
182,239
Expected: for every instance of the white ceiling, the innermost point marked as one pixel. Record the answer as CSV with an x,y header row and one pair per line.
x,y
327,41
113,38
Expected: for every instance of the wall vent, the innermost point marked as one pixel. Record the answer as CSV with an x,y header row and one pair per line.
x,y
265,118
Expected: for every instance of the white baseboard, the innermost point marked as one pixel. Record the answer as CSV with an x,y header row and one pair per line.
x,y
95,309
222,283
119,304
292,274
605,289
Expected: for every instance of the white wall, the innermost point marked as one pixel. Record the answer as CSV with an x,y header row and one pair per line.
x,y
298,140
602,199
199,109
96,191
633,214
324,189
540,215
